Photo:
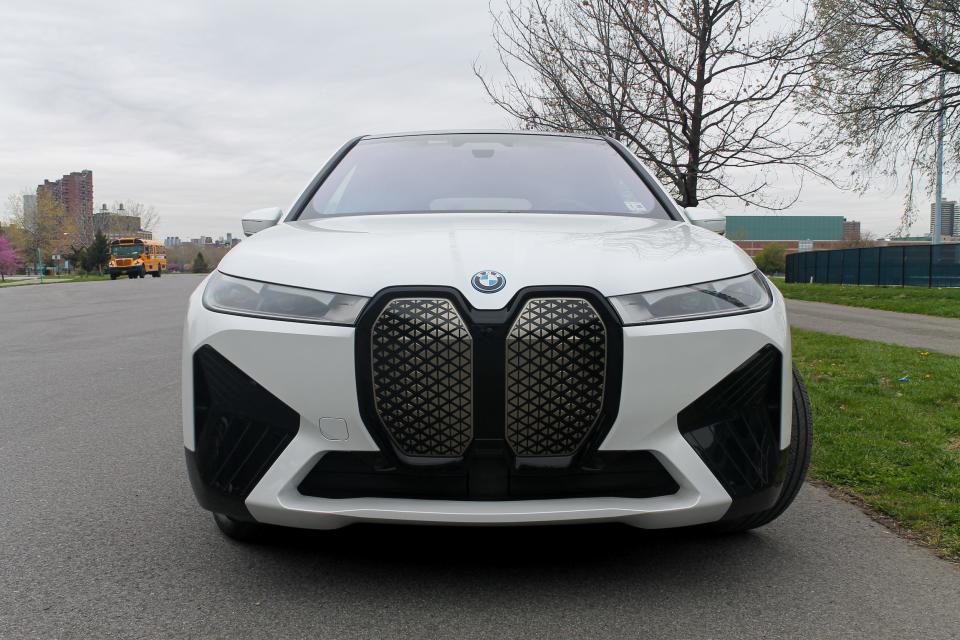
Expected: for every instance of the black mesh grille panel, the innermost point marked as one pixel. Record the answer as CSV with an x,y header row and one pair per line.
x,y
555,369
241,428
421,361
735,426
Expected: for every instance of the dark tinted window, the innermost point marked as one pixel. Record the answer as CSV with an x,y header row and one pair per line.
x,y
483,172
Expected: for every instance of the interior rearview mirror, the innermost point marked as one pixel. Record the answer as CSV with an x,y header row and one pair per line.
x,y
709,219
261,219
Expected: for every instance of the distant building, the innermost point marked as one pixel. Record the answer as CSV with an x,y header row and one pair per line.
x,y
851,230
116,224
172,241
29,208
794,233
74,191
949,218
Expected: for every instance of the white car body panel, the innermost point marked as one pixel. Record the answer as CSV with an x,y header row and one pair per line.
x,y
361,255
311,367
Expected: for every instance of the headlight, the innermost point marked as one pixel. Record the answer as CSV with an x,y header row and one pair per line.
x,y
227,294
728,297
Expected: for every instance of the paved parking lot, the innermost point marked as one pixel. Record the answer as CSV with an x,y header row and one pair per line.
x,y
100,536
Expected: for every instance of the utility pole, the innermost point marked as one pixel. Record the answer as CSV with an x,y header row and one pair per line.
x,y
938,206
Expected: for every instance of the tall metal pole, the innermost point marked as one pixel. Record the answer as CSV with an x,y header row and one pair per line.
x,y
938,206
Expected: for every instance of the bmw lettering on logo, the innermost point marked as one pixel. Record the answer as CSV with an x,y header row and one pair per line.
x,y
488,281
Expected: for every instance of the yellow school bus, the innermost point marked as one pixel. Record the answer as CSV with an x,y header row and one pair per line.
x,y
136,258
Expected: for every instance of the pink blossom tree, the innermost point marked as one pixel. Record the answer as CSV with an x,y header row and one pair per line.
x,y
9,260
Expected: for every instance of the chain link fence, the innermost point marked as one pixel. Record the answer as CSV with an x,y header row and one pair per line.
x,y
901,266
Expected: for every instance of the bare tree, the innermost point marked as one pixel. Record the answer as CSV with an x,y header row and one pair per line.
x,y
108,218
878,82
701,90
148,214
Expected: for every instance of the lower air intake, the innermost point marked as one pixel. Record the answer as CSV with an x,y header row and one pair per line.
x,y
241,428
735,426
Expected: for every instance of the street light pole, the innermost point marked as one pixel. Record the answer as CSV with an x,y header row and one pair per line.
x,y
938,206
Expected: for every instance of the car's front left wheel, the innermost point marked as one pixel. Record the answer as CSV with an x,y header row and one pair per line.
x,y
239,530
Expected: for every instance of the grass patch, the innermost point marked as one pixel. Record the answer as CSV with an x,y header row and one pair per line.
x,y
931,302
894,443
53,279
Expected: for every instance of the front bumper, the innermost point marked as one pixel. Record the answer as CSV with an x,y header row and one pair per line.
x,y
310,370
119,271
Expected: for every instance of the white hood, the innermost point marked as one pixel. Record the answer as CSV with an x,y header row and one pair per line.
x,y
363,254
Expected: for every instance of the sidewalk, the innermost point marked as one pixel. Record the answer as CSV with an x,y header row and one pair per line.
x,y
907,329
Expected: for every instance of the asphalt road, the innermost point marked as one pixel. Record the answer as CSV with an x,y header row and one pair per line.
x,y
907,329
100,535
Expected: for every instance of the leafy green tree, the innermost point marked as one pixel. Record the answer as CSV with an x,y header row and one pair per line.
x,y
75,256
200,264
95,256
771,259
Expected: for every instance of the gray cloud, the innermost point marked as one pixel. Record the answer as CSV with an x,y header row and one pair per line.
x,y
207,110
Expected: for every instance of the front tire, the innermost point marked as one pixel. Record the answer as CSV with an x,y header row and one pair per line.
x,y
801,443
239,530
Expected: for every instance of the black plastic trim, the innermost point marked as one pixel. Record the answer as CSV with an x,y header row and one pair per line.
x,y
735,426
240,429
612,474
671,208
326,170
213,500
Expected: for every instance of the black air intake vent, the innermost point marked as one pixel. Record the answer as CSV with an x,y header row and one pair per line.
x,y
735,426
240,427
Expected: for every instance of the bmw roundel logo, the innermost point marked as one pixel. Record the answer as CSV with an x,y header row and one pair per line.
x,y
488,281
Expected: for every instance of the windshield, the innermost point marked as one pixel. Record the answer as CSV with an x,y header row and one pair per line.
x,y
483,173
127,250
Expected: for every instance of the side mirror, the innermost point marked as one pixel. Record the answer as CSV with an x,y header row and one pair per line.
x,y
261,219
709,219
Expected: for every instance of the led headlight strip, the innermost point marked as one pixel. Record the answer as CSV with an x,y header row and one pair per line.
x,y
727,297
239,296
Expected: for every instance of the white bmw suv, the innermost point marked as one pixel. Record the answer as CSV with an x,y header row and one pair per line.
x,y
489,328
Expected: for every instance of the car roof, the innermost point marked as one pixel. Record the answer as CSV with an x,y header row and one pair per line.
x,y
448,132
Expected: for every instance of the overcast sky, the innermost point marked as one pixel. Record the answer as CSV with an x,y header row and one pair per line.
x,y
206,110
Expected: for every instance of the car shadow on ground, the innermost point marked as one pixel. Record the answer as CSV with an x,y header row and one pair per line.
x,y
526,554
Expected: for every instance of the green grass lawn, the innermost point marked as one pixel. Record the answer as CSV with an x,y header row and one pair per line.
x,y
47,279
931,302
894,443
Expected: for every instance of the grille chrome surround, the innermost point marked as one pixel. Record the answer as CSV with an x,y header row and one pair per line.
x,y
422,370
555,376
